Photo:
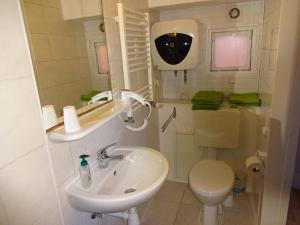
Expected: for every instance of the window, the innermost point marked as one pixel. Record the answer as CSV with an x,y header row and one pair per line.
x,y
231,51
100,56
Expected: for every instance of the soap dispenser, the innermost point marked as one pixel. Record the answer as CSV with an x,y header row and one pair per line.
x,y
85,173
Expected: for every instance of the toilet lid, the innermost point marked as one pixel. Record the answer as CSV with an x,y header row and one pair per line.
x,y
211,177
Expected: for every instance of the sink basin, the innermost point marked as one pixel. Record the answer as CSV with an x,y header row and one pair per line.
x,y
123,185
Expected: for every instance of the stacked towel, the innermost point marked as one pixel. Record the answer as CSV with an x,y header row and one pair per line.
x,y
207,100
246,99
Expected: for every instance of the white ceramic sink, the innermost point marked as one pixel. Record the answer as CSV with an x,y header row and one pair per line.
x,y
143,170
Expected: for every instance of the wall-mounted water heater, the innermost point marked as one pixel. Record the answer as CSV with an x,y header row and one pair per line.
x,y
175,44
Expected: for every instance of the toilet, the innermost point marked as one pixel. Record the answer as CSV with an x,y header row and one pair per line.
x,y
212,180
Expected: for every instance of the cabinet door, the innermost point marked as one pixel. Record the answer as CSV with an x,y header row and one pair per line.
x,y
91,8
71,9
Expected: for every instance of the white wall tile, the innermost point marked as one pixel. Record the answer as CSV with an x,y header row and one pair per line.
x,y
27,188
3,216
13,52
62,161
41,47
34,16
51,217
57,46
21,124
104,136
26,183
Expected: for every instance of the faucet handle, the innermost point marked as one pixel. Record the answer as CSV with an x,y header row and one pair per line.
x,y
103,151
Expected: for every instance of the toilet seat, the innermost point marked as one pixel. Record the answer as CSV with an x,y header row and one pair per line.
x,y
211,178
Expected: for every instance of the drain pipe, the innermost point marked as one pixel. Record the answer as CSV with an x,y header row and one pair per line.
x,y
131,215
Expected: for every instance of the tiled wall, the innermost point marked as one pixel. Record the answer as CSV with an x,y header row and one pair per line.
x,y
269,50
216,17
59,54
27,190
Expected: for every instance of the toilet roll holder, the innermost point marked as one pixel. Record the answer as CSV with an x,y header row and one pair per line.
x,y
262,156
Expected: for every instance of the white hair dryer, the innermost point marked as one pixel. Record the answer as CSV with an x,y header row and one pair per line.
x,y
127,95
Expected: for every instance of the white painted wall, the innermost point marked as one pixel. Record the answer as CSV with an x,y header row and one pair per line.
x,y
27,189
216,18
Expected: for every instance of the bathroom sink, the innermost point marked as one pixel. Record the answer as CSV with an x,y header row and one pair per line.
x,y
124,184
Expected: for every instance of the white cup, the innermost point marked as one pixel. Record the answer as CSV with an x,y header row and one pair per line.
x,y
71,120
49,116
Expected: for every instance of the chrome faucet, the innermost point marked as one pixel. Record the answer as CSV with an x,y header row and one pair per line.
x,y
104,159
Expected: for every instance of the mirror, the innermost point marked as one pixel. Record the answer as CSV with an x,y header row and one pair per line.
x,y
68,50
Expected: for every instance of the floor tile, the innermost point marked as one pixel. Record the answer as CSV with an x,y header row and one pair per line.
x,y
143,208
188,215
171,192
240,203
175,204
238,218
190,199
160,213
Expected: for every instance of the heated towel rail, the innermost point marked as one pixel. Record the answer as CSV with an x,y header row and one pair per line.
x,y
136,56
166,124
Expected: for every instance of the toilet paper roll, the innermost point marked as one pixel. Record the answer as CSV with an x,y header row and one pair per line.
x,y
254,166
71,122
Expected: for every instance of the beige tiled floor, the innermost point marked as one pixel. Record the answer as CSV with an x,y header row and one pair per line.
x,y
175,204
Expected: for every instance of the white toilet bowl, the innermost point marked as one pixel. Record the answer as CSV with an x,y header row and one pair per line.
x,y
211,181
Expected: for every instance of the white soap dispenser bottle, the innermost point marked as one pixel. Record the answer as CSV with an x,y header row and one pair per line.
x,y
85,173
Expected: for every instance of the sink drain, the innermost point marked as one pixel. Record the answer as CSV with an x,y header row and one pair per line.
x,y
130,190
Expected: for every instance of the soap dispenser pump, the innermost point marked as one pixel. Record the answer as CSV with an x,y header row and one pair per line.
x,y
85,173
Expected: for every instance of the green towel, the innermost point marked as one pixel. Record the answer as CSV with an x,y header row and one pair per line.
x,y
213,97
246,99
89,96
210,100
205,107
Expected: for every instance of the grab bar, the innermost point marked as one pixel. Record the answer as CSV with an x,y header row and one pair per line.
x,y
166,124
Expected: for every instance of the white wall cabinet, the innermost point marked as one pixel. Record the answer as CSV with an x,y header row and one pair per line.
x,y
81,9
